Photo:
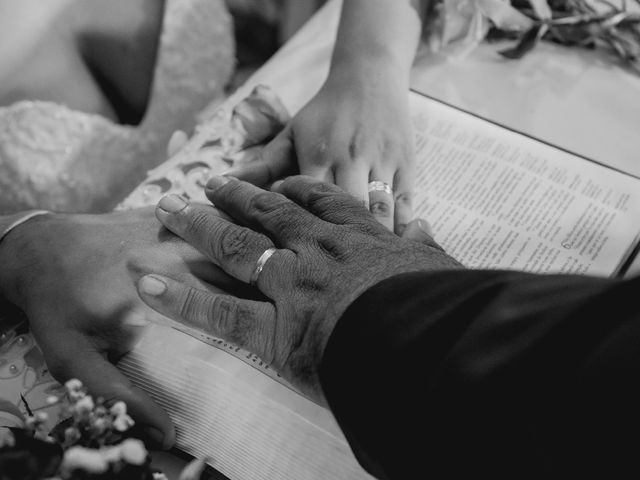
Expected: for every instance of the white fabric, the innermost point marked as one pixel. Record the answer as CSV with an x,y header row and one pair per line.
x,y
60,159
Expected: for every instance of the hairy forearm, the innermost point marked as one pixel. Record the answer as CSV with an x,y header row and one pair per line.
x,y
378,32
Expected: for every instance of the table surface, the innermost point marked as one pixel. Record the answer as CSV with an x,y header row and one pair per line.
x,y
578,100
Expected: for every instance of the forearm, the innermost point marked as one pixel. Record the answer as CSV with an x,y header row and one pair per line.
x,y
9,315
378,33
496,373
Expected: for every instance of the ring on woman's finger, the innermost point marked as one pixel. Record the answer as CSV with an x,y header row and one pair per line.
x,y
262,261
378,186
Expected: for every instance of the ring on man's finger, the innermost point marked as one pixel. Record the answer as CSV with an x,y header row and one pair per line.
x,y
262,261
378,186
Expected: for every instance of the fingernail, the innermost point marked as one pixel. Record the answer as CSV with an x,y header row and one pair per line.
x,y
217,181
153,434
425,227
176,142
172,203
276,185
152,285
136,319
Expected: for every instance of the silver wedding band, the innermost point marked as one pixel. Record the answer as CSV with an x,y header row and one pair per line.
x,y
378,186
262,261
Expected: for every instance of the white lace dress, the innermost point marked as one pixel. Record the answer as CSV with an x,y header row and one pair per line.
x,y
56,158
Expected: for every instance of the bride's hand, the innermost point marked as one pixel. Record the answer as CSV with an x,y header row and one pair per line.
x,y
74,277
355,130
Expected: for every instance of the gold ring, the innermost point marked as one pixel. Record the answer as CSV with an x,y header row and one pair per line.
x,y
260,265
378,186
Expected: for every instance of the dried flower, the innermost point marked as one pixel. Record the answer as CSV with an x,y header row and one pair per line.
x,y
123,423
133,452
71,435
118,408
84,459
85,405
458,26
73,385
90,442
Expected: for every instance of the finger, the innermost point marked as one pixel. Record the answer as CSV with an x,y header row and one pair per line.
x,y
284,221
403,191
276,161
236,249
381,202
103,379
176,142
321,173
354,180
420,231
245,323
262,115
329,202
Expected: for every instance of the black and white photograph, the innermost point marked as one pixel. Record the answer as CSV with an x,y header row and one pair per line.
x,y
319,239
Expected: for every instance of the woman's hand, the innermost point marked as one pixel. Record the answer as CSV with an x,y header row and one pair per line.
x,y
328,251
74,277
354,131
357,128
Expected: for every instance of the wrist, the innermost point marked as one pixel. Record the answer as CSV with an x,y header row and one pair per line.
x,y
365,70
16,230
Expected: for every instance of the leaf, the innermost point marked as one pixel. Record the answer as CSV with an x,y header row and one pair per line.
x,y
542,9
504,16
528,41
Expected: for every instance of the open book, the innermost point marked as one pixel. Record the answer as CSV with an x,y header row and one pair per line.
x,y
495,198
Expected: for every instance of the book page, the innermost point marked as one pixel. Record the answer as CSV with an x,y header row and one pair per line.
x,y
249,425
500,200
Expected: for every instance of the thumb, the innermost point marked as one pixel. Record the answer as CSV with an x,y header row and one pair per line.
x,y
103,379
276,161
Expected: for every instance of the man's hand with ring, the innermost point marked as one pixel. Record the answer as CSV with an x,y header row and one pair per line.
x,y
328,250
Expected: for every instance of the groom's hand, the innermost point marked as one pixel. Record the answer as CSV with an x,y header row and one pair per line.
x,y
328,249
72,276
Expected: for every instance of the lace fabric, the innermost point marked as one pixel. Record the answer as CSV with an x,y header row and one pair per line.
x,y
56,158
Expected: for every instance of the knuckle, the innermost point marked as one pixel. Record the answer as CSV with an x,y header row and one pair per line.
x,y
381,209
320,191
267,202
195,222
273,207
233,242
357,144
334,246
224,318
325,198
191,305
319,154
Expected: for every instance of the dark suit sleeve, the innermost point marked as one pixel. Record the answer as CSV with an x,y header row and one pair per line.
x,y
490,375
